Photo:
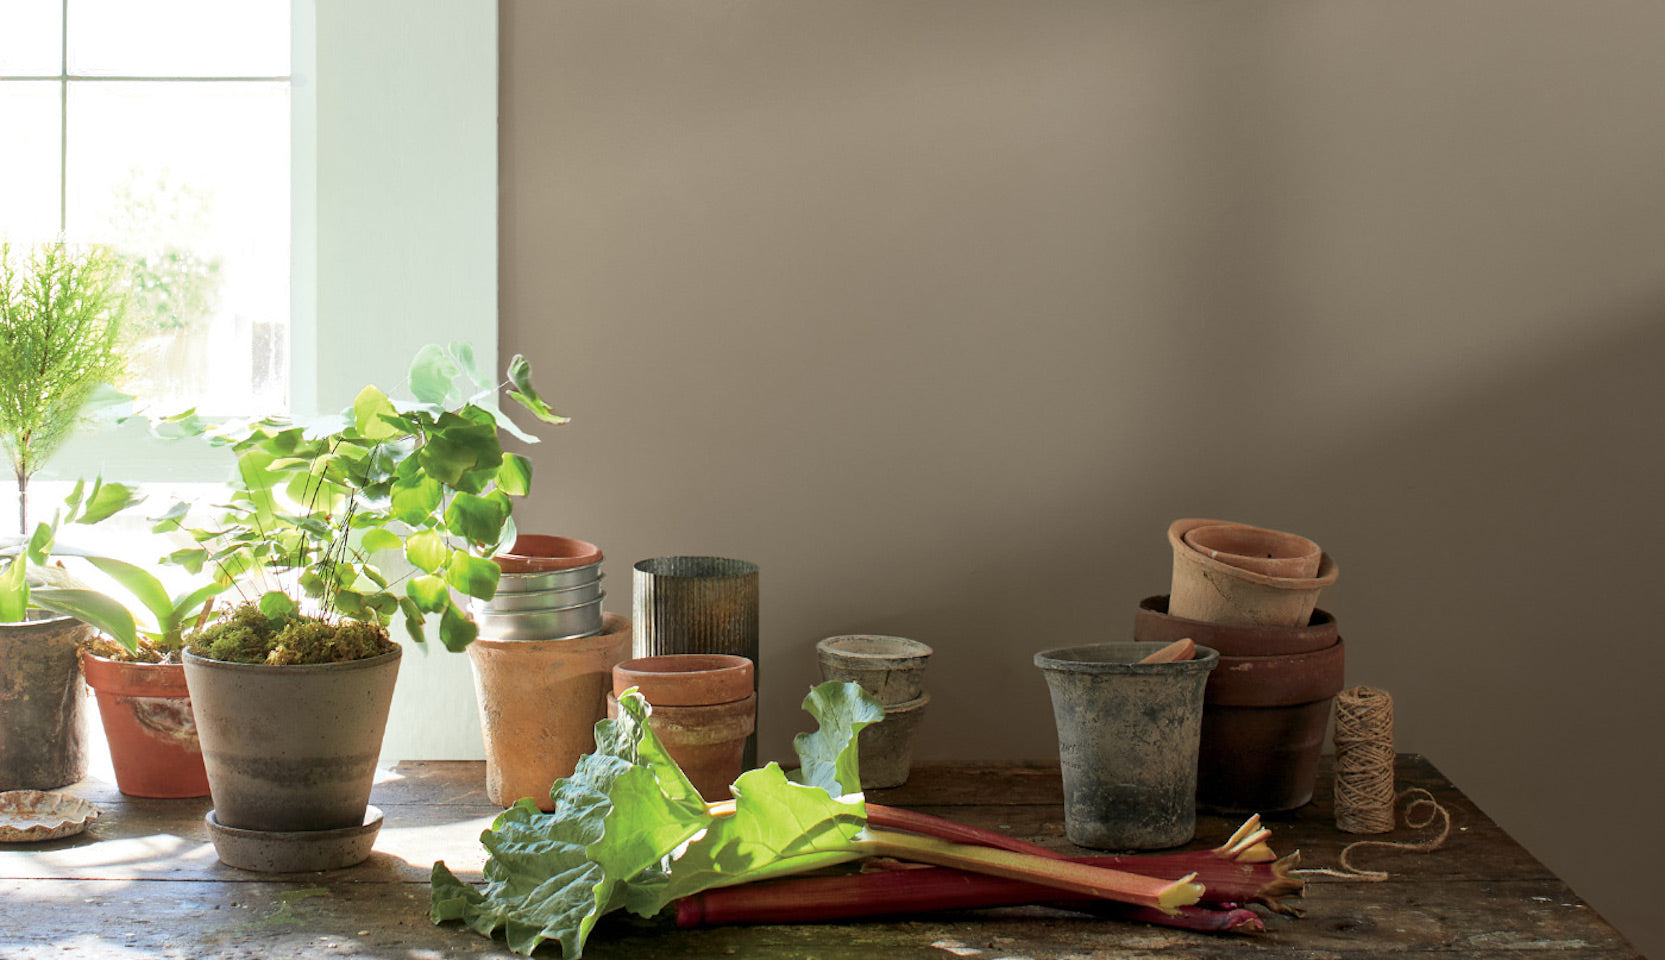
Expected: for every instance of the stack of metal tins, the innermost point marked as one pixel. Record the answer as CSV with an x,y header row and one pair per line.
x,y
550,589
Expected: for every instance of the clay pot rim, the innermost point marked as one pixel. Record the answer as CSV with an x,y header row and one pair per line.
x,y
1328,569
1305,678
724,677
1070,660
906,648
1294,554
908,706
295,669
1149,605
543,553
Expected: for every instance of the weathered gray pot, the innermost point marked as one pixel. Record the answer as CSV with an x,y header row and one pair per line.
x,y
291,747
892,669
1127,741
884,750
43,728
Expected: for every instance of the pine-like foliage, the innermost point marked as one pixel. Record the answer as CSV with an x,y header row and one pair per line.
x,y
61,325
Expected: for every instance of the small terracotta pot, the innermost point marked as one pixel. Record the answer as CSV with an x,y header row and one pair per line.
x,y
703,711
539,703
1153,624
892,669
541,553
1263,729
146,710
1210,590
1272,552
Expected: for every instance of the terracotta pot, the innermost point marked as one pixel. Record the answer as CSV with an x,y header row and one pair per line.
x,y
291,748
541,553
884,750
703,710
146,710
697,605
539,703
1127,742
892,669
1210,590
1153,624
43,729
1263,729
1272,552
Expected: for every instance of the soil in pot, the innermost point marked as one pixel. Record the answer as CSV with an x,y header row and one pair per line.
x,y
148,721
42,723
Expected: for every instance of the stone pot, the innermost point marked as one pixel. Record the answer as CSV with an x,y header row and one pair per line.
x,y
1272,552
539,703
704,708
1152,623
697,605
1263,729
291,748
884,750
1127,742
146,711
43,728
1208,589
892,669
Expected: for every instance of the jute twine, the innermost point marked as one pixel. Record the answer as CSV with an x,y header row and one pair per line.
x,y
1364,795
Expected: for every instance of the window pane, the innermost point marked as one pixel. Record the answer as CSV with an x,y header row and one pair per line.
x,y
31,38
179,38
191,182
29,160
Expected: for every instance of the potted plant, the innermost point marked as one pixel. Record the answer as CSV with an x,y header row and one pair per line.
x,y
61,333
291,685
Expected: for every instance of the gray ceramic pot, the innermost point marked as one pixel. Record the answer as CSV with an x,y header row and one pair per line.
x,y
43,729
1127,741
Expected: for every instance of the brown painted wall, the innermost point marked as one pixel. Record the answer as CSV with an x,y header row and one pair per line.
x,y
940,310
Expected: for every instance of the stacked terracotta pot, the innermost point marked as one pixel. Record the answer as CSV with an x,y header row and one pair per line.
x,y
1251,594
703,709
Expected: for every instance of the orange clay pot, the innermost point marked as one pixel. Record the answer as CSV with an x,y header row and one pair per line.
x,y
539,703
148,721
703,710
1214,591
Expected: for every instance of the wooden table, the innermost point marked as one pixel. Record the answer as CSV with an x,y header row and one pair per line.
x,y
143,882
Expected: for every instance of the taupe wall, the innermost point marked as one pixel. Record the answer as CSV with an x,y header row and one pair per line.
x,y
940,310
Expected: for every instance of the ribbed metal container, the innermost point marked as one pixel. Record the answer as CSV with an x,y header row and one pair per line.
x,y
697,605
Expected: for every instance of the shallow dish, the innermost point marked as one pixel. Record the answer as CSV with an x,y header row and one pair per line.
x,y
30,816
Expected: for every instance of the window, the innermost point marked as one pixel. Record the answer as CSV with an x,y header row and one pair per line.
x,y
162,129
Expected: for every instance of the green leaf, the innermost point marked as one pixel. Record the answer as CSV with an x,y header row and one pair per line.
x,y
456,446
479,519
520,374
426,550
107,499
138,581
379,539
828,756
431,374
171,519
92,607
14,592
40,544
428,594
514,476
455,630
472,576
413,619
414,501
191,559
277,605
368,408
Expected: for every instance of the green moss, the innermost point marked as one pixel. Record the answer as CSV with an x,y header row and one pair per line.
x,y
249,636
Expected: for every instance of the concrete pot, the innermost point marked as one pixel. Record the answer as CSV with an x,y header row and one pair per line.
x,y
1152,623
884,750
1208,589
539,703
697,605
152,732
291,748
1263,729
892,669
704,709
43,728
1127,742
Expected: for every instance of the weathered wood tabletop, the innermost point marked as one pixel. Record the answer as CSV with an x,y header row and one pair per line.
x,y
143,882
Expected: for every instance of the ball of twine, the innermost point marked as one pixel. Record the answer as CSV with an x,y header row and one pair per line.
x,y
1364,760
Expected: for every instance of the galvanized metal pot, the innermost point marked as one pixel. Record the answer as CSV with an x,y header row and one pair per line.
x,y
1127,741
549,589
43,728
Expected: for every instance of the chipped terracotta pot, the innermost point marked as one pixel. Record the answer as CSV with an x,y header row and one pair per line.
x,y
539,703
1153,623
1263,728
542,553
1211,590
703,711
146,711
1272,552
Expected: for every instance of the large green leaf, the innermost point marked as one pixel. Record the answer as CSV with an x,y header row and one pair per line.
x,y
415,500
426,550
138,581
40,543
472,576
456,446
514,476
828,756
378,538
455,630
368,409
92,607
480,519
106,499
428,593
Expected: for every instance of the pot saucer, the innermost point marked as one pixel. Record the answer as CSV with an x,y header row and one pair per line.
x,y
30,816
295,851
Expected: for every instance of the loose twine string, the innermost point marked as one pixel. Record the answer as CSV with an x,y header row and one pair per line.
x,y
1364,793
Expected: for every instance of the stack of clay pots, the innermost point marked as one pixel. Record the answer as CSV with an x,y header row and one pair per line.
x,y
543,664
704,709
1251,594
892,669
